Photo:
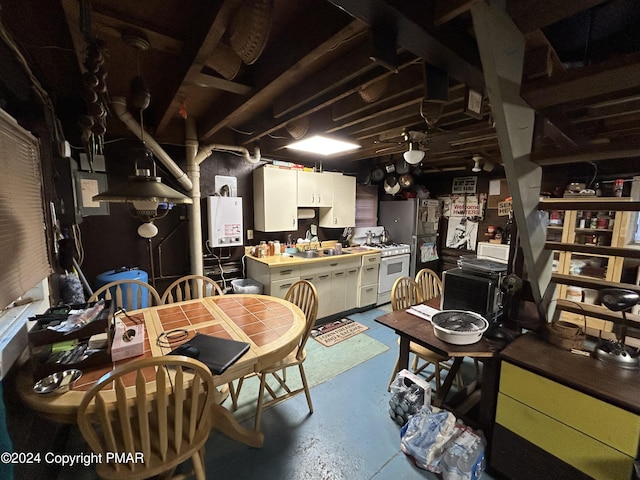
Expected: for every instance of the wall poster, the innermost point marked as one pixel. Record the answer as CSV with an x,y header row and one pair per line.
x,y
462,233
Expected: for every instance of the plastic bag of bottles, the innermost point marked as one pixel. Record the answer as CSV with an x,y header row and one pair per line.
x,y
463,457
425,435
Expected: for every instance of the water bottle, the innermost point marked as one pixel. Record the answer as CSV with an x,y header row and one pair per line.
x,y
464,458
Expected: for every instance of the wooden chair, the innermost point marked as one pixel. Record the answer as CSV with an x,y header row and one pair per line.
x,y
162,425
405,293
303,294
128,294
190,287
429,284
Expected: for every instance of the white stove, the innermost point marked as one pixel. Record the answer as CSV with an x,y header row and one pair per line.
x,y
394,259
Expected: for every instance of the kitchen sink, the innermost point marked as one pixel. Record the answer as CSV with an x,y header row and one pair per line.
x,y
327,252
308,254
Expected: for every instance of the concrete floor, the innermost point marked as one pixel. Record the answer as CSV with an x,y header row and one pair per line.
x,y
349,436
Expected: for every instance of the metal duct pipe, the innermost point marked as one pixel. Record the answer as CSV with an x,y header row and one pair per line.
x,y
195,225
204,152
119,105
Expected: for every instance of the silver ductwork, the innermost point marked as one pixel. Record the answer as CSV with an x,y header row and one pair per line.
x,y
119,106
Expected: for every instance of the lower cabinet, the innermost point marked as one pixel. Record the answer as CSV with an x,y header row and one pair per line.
x,y
368,280
544,427
276,280
342,283
351,288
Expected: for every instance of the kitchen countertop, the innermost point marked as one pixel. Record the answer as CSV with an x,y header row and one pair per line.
x,y
289,259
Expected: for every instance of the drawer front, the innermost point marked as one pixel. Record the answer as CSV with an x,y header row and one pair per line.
x,y
279,288
610,424
369,275
573,447
282,273
368,295
371,259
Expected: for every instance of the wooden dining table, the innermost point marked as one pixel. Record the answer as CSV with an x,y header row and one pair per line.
x,y
272,327
411,328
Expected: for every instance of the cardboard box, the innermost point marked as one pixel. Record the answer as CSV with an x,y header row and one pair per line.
x,y
127,342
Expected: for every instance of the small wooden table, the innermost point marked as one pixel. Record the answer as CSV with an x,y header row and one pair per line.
x,y
272,327
411,328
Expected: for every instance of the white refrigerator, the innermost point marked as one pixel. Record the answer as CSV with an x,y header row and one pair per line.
x,y
415,221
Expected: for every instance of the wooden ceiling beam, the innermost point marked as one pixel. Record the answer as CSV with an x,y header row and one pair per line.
x,y
586,154
443,47
446,10
291,69
200,43
619,74
530,15
347,68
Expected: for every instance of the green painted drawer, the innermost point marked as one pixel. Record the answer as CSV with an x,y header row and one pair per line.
x,y
573,447
609,424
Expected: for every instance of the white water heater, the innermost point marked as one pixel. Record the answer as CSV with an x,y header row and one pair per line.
x,y
225,221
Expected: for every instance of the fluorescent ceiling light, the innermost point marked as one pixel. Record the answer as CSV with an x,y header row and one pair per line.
x,y
322,145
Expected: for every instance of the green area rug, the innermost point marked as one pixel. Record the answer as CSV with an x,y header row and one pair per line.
x,y
322,364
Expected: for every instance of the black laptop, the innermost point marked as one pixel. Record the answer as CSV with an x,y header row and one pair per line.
x,y
216,353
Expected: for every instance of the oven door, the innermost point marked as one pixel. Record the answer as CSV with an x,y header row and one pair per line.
x,y
391,268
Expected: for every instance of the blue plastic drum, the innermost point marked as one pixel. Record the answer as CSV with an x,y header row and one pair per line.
x,y
125,274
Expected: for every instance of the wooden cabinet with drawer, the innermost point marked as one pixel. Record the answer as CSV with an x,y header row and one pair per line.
x,y
579,416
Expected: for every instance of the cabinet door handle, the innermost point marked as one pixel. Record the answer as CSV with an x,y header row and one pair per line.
x,y
369,269
333,264
285,272
353,271
286,285
323,276
369,289
339,274
308,279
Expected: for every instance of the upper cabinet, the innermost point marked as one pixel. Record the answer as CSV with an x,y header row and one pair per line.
x,y
274,200
314,189
278,192
343,211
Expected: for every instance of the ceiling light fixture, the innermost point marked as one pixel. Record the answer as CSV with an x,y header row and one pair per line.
x,y
322,145
414,155
149,197
476,167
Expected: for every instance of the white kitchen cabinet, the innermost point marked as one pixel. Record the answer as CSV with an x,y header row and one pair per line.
x,y
368,280
314,189
343,210
351,290
276,280
274,200
330,279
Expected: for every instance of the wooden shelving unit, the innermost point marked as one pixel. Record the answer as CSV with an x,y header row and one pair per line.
x,y
591,257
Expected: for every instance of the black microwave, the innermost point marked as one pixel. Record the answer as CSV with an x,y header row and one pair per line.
x,y
462,290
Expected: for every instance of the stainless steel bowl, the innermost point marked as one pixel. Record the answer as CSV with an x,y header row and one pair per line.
x,y
58,382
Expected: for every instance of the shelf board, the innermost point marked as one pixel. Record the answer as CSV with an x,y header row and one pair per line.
x,y
597,311
590,203
593,249
590,282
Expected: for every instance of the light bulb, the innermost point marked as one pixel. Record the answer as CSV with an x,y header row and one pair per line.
x,y
147,230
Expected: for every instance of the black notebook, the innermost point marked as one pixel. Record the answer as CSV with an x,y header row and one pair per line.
x,y
216,353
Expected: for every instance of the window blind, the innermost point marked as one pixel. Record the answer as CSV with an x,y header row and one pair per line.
x,y
23,250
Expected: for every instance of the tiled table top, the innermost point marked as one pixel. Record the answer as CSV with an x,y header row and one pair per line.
x,y
269,324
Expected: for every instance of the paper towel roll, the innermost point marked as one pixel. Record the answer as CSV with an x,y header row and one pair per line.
x,y
306,213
